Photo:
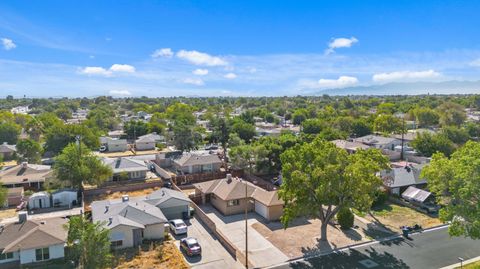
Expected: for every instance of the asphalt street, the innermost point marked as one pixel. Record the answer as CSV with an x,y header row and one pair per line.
x,y
430,249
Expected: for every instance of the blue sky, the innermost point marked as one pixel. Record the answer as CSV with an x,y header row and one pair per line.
x,y
211,48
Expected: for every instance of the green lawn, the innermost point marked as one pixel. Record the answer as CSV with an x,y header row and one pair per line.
x,y
474,265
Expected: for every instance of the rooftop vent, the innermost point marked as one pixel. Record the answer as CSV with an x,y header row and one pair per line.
x,y
106,208
22,217
125,198
110,220
229,177
43,222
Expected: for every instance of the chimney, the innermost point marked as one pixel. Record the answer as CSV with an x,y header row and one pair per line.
x,y
110,220
106,208
22,217
229,178
125,198
24,164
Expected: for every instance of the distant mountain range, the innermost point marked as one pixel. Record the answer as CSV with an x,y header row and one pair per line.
x,y
409,88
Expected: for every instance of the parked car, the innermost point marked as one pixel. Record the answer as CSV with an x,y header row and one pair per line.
x,y
177,226
191,246
167,184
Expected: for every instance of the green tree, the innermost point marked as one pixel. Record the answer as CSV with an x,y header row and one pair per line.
x,y
29,150
427,144
77,164
134,129
9,132
3,195
456,183
451,114
387,124
89,243
457,135
312,126
425,116
299,116
60,135
319,179
245,131
185,136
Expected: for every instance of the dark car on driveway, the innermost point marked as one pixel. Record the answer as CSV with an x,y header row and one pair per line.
x,y
191,246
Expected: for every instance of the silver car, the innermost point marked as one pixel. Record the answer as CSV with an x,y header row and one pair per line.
x,y
177,226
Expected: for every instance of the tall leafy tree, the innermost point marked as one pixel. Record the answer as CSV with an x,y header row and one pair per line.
x,y
456,183
9,132
427,144
29,150
319,179
134,129
89,243
451,114
77,164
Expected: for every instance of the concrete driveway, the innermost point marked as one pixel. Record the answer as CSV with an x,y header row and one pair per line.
x,y
213,255
261,252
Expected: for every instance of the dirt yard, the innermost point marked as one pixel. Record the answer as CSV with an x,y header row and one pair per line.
x,y
166,255
393,216
117,195
303,237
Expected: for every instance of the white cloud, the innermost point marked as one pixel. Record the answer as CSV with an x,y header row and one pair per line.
x,y
230,75
194,81
405,76
340,43
100,71
122,68
8,44
200,72
341,82
164,52
120,92
200,58
475,63
95,71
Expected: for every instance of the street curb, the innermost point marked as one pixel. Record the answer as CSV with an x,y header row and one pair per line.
x,y
457,265
386,239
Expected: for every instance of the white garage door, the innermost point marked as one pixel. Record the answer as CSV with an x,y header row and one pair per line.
x,y
261,209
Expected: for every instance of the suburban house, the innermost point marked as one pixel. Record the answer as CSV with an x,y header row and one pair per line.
x,y
129,222
28,241
7,151
125,168
191,163
114,144
398,179
145,143
20,110
39,200
174,204
379,142
26,175
116,134
349,146
228,196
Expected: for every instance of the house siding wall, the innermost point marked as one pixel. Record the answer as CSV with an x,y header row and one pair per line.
x,y
127,235
145,146
155,231
28,255
65,198
275,212
221,205
116,146
173,208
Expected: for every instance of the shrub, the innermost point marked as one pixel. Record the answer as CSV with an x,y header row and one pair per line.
x,y
380,198
345,218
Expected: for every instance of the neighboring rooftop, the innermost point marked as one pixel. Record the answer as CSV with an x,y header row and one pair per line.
x,y
188,159
25,173
403,176
32,234
125,164
159,196
375,140
349,145
6,148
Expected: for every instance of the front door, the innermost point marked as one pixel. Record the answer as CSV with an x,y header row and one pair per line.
x,y
137,237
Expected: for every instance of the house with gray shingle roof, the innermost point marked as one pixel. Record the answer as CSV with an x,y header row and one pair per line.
x,y
379,142
148,141
30,241
398,179
130,168
192,163
174,204
129,221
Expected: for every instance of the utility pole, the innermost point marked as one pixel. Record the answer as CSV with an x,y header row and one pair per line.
x,y
246,225
403,132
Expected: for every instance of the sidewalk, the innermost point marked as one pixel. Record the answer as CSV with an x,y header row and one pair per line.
x,y
457,265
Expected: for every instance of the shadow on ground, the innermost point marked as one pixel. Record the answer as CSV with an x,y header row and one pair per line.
x,y
353,259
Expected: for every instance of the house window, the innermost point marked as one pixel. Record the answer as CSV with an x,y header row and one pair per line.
x,y
117,243
42,254
6,256
233,202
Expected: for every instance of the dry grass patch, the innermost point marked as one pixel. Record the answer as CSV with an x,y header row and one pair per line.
x,y
393,216
164,256
117,195
8,213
